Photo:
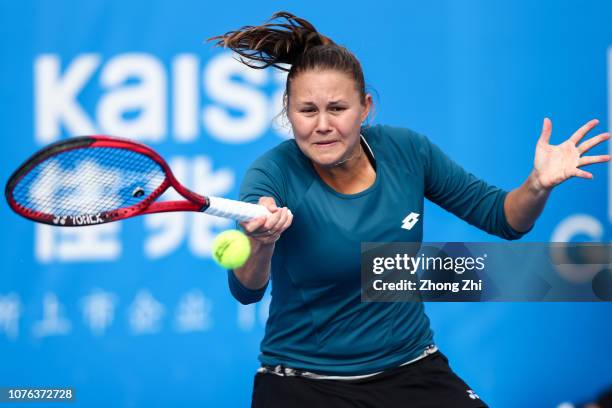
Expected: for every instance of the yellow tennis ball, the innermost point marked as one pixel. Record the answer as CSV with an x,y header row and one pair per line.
x,y
231,249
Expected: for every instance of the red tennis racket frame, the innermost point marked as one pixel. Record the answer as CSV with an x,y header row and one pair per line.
x,y
193,202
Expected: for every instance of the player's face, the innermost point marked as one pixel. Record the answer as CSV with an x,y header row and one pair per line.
x,y
326,113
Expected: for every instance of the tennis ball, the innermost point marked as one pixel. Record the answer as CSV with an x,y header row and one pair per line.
x,y
231,249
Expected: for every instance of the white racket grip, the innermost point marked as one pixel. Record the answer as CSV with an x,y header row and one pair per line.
x,y
237,210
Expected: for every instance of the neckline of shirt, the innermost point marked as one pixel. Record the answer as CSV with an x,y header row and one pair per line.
x,y
370,153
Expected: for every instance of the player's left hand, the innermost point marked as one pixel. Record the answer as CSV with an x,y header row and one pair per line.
x,y
555,164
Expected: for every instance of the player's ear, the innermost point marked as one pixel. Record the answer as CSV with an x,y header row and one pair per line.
x,y
367,105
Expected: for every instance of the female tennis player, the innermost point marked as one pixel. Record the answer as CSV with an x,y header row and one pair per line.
x,y
346,183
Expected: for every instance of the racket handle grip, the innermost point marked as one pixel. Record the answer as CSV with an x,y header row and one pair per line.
x,y
237,210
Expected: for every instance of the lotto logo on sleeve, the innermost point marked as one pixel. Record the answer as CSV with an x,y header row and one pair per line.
x,y
410,220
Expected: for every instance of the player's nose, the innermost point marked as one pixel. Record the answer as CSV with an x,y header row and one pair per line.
x,y
323,124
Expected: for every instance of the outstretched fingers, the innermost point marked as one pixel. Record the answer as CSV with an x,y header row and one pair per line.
x,y
546,131
586,160
584,129
592,142
583,174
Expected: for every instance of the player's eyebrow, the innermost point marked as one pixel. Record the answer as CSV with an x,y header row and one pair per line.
x,y
336,102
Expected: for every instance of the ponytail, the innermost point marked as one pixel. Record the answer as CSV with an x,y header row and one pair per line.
x,y
291,41
273,43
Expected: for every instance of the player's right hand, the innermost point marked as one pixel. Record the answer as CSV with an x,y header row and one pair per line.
x,y
267,230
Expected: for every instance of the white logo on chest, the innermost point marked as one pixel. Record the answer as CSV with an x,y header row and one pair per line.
x,y
410,220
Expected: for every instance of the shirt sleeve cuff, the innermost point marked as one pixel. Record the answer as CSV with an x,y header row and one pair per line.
x,y
508,232
243,294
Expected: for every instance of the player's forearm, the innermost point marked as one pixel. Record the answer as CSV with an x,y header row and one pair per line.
x,y
255,273
524,204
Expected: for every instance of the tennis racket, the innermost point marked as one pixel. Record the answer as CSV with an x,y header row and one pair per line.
x,y
91,180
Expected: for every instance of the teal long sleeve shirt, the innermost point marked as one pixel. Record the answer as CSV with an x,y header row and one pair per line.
x,y
316,320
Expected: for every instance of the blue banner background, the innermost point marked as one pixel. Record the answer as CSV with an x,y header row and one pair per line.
x,y
137,314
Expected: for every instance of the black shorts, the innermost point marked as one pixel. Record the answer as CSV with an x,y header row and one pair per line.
x,y
428,382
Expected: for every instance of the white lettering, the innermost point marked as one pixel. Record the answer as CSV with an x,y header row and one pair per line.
x,y
85,219
92,243
194,312
52,323
135,99
10,311
172,228
98,311
145,314
185,97
251,102
148,97
428,285
566,231
55,99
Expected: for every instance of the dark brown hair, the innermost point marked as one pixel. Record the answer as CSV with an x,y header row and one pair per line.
x,y
292,41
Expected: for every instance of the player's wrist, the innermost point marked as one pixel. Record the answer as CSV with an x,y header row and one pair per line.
x,y
535,185
261,244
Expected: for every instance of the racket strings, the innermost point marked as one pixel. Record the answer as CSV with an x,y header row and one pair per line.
x,y
89,181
